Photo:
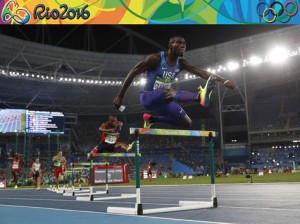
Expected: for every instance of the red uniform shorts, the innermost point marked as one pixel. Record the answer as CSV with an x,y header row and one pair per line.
x,y
57,171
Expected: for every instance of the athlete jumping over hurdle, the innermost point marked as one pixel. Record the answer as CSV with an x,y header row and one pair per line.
x,y
158,96
110,136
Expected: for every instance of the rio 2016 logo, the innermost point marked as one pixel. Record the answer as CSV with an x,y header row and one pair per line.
x,y
277,11
12,12
41,12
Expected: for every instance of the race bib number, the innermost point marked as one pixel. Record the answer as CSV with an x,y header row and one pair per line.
x,y
111,139
159,84
37,167
162,83
15,166
57,164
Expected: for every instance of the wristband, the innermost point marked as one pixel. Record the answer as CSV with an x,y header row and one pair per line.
x,y
226,82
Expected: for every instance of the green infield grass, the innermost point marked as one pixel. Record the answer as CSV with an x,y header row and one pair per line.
x,y
230,179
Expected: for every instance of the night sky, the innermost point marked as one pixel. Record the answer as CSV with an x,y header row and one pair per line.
x,y
116,38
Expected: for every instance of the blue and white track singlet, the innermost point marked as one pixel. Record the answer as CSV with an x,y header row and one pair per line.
x,y
163,76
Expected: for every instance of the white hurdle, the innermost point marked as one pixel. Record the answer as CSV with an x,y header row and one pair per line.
x,y
73,190
60,190
87,191
182,205
90,196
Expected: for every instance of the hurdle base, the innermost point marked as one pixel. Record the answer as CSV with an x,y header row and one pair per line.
x,y
138,210
92,198
183,206
214,201
77,193
116,197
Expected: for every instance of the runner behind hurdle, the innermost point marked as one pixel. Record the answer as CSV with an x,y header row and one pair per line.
x,y
59,162
36,172
16,168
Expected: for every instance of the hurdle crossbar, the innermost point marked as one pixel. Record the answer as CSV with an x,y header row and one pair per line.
x,y
88,164
115,154
172,132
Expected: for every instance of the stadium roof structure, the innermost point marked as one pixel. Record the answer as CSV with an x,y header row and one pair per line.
x,y
42,77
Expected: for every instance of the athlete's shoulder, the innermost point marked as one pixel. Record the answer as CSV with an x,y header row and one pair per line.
x,y
155,57
183,63
153,60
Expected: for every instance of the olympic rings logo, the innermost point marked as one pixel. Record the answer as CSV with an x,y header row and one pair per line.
x,y
277,11
12,11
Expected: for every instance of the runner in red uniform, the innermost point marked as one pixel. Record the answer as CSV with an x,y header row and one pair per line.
x,y
59,162
16,168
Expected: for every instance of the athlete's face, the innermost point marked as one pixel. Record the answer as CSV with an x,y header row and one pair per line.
x,y
112,121
178,46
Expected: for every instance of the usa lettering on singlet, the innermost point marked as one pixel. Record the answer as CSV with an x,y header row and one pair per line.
x,y
164,76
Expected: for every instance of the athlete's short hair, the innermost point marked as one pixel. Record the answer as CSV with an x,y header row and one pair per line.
x,y
172,39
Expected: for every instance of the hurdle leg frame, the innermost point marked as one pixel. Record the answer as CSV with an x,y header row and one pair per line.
x,y
214,199
183,205
138,209
138,204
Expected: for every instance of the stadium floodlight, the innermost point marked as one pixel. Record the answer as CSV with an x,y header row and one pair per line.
x,y
186,76
232,65
254,60
143,81
278,54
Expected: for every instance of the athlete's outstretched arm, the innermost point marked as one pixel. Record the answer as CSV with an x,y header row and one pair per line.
x,y
104,128
185,65
149,62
